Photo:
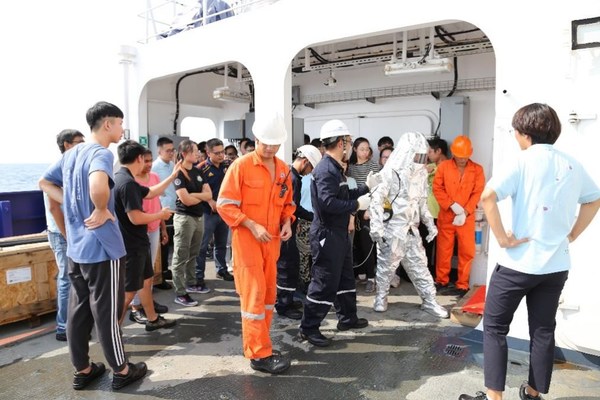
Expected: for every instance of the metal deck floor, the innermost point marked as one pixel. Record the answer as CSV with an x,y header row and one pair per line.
x,y
403,354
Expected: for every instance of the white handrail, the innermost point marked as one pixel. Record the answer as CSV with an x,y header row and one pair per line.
x,y
181,7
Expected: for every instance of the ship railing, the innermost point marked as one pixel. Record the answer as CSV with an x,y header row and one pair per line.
x,y
166,18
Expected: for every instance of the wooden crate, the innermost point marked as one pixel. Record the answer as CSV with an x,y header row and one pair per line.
x,y
27,282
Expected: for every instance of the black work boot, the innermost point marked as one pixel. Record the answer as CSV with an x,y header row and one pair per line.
x,y
274,364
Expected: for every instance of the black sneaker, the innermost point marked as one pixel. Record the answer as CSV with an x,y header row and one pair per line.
x,y
160,323
478,396
61,336
136,372
274,364
163,286
359,324
225,275
138,316
291,313
160,309
80,381
523,395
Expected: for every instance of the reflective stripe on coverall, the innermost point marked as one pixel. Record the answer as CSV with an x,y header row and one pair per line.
x,y
248,192
448,188
333,275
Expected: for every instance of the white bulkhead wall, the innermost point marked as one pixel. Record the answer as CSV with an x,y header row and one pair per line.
x,y
534,63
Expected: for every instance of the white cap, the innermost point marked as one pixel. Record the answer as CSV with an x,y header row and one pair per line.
x,y
333,129
270,130
311,153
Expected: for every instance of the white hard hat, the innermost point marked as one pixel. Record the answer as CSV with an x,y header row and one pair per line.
x,y
332,129
270,130
311,153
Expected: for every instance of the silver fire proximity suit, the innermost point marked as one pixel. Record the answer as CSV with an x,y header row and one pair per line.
x,y
399,204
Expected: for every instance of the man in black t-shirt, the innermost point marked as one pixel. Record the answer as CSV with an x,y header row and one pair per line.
x,y
129,196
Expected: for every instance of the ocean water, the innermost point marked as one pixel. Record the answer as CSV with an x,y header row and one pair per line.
x,y
20,177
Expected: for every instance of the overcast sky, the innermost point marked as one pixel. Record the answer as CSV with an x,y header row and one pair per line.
x,y
58,58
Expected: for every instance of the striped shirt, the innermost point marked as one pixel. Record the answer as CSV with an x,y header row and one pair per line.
x,y
360,171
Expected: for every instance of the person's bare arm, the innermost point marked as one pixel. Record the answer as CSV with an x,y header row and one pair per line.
x,y
587,212
57,214
99,195
160,187
490,206
53,191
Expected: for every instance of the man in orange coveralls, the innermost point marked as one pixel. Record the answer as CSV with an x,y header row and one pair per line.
x,y
256,201
457,187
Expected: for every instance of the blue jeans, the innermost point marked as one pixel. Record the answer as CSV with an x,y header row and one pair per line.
x,y
213,225
58,244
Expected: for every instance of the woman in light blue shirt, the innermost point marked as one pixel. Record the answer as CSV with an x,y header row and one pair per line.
x,y
545,186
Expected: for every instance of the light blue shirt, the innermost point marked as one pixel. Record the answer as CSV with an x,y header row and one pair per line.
x,y
86,246
545,186
164,170
305,199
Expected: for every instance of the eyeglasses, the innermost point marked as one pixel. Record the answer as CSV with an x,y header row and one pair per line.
x,y
169,150
218,153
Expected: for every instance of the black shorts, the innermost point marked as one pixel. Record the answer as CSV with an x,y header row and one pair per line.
x,y
138,268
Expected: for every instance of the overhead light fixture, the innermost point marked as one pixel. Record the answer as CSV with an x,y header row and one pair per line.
x,y
417,67
227,94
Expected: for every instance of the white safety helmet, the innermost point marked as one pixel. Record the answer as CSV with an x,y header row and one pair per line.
x,y
270,131
333,129
311,153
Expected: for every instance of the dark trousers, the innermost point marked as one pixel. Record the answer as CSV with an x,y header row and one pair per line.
x,y
332,279
506,289
96,300
166,248
365,251
213,226
288,271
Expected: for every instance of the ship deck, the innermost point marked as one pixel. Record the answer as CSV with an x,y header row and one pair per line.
x,y
403,354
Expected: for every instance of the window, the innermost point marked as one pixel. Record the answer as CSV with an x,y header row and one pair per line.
x,y
198,129
585,33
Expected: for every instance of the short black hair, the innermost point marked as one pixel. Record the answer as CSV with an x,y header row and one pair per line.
x,y
96,114
439,143
163,140
385,141
306,139
67,135
538,121
202,146
316,142
129,151
249,143
148,151
212,143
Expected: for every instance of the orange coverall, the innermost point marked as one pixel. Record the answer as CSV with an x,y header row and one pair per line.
x,y
248,192
449,187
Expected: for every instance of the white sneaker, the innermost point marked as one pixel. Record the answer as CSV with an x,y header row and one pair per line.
x,y
395,282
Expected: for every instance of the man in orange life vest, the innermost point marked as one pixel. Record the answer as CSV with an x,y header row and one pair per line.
x,y
256,201
457,187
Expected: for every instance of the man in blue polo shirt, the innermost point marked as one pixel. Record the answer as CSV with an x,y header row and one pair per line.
x,y
84,176
213,171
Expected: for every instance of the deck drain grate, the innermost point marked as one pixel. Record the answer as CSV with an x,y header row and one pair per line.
x,y
454,350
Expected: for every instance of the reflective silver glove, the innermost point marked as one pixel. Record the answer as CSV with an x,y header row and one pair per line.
x,y
432,233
